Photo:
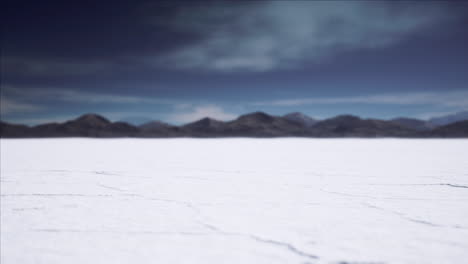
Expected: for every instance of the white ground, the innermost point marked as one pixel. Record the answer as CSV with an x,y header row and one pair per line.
x,y
234,201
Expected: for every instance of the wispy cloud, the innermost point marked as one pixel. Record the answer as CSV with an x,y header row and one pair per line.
x,y
267,35
457,99
52,67
17,100
199,112
429,115
70,95
8,106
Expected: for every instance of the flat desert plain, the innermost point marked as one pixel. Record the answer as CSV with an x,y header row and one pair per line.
x,y
354,201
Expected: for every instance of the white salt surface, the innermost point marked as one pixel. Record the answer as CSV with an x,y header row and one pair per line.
x,y
366,201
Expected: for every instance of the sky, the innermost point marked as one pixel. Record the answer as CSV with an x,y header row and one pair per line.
x,y
179,61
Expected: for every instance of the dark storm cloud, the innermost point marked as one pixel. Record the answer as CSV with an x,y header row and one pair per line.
x,y
75,38
268,35
93,37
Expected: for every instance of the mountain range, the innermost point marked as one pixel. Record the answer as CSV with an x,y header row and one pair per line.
x,y
257,124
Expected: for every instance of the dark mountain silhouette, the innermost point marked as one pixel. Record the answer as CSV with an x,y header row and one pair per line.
x,y
301,119
153,125
412,123
136,120
14,131
89,125
260,124
158,129
454,130
206,127
256,124
49,130
448,119
353,126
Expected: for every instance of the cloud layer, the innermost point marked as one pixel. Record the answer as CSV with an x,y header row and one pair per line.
x,y
76,96
8,106
457,99
52,67
268,35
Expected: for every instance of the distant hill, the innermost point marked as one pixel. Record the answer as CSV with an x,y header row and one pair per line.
x,y
353,126
257,124
206,127
454,130
413,123
136,120
448,119
300,118
92,125
153,125
89,125
14,131
260,124
158,129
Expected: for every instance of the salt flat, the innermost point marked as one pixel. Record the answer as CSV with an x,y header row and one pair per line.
x,y
234,201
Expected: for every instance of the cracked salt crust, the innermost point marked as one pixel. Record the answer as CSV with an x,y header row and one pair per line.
x,y
234,201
